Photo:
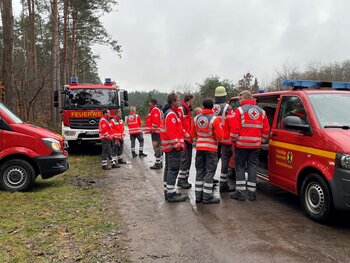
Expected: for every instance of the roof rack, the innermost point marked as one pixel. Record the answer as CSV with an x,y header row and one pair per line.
x,y
312,84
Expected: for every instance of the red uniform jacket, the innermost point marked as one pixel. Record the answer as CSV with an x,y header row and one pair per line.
x,y
117,126
154,120
250,125
186,120
208,131
172,135
134,123
104,129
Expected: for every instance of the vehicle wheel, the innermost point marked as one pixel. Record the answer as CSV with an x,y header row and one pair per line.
x,y
17,175
316,198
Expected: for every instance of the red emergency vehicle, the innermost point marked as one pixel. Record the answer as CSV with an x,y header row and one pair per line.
x,y
308,150
27,151
82,108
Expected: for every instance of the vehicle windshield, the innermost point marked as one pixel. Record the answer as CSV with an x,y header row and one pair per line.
x,y
90,98
332,110
10,114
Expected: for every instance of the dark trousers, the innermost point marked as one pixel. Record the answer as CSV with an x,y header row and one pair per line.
x,y
106,151
117,149
186,159
139,137
157,147
120,149
206,163
171,170
246,159
226,153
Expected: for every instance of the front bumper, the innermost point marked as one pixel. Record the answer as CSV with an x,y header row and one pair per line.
x,y
340,187
52,165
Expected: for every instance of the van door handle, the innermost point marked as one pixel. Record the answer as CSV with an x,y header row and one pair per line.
x,y
273,134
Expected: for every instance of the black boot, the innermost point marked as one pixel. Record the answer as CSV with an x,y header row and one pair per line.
x,y
183,183
175,197
225,188
115,165
238,195
251,196
121,161
156,166
134,155
141,154
211,200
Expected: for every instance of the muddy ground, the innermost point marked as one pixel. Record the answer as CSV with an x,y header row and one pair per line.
x,y
271,229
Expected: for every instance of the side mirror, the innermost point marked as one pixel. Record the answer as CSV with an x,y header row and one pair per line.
x,y
126,98
296,123
55,98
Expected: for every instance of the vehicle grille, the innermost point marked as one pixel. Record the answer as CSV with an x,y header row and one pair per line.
x,y
84,123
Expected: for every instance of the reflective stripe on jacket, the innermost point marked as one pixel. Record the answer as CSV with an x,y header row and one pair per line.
x,y
134,123
251,126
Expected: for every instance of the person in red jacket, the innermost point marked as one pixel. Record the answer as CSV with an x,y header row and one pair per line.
x,y
187,123
105,133
208,131
134,123
225,113
172,137
119,134
250,128
154,126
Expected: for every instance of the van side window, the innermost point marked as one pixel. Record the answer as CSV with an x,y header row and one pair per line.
x,y
291,106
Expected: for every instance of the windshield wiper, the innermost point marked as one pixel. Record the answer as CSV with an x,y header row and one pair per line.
x,y
344,127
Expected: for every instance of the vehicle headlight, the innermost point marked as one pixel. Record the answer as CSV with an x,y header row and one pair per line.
x,y
342,160
69,133
53,144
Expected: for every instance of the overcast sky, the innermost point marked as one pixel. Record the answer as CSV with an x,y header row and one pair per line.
x,y
171,43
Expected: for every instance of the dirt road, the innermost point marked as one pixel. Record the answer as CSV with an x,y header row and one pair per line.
x,y
271,229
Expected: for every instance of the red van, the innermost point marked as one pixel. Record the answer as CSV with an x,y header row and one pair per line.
x,y
308,150
27,151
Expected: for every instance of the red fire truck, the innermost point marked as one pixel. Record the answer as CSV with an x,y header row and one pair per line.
x,y
82,108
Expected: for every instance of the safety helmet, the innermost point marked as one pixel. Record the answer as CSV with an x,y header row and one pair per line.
x,y
220,91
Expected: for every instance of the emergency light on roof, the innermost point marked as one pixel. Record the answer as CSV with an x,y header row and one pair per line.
x,y
108,81
73,80
304,84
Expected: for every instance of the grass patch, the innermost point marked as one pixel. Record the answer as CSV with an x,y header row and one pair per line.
x,y
63,219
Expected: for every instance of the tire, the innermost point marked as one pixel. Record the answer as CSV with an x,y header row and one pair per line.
x,y
17,175
316,198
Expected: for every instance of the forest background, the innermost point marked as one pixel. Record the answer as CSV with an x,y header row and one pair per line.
x,y
52,40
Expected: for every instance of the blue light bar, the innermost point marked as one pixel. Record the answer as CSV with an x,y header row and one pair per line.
x,y
108,80
340,85
74,80
302,84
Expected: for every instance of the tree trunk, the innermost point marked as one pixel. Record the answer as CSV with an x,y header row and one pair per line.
x,y
65,42
55,62
8,73
74,40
